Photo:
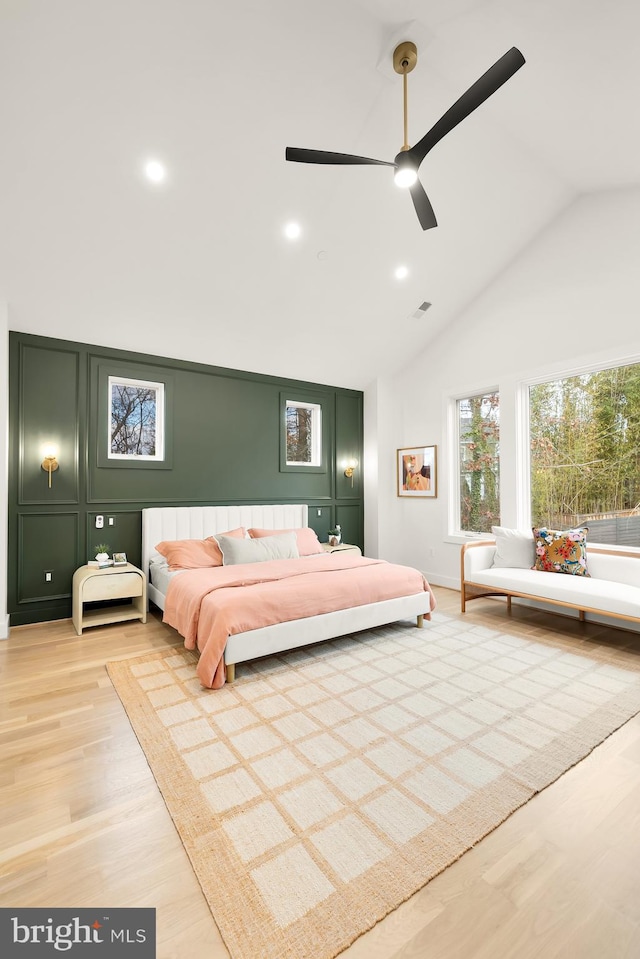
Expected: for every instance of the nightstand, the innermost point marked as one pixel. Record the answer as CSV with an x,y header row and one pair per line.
x,y
93,585
342,548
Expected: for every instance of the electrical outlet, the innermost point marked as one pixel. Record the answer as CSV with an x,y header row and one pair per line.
x,y
319,512
112,521
48,576
99,522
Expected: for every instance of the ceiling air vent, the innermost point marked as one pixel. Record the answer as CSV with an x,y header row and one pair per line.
x,y
420,312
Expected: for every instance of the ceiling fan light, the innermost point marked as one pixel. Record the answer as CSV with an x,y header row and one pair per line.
x,y
405,176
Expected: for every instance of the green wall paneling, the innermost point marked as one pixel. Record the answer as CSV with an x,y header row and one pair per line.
x,y
348,445
48,414
124,537
47,541
350,518
224,444
320,520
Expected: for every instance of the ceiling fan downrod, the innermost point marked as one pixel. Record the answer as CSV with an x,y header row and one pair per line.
x,y
405,58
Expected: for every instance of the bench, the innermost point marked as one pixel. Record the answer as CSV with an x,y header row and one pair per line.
x,y
612,588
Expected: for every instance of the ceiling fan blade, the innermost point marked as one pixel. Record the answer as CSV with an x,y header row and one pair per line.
x,y
422,206
501,71
301,155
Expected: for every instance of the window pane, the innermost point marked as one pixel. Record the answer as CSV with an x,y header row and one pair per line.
x,y
135,419
304,435
479,449
585,454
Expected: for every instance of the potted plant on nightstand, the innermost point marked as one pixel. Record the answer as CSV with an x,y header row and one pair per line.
x,y
102,554
335,536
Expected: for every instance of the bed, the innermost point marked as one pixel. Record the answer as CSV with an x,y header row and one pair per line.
x,y
406,592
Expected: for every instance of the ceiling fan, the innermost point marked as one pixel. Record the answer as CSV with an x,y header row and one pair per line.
x,y
408,160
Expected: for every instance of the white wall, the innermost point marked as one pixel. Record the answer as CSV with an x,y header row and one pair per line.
x,y
4,464
571,298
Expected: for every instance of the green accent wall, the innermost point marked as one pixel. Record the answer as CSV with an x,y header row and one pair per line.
x,y
223,437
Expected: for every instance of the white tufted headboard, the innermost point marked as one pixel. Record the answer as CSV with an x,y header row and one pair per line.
x,y
198,522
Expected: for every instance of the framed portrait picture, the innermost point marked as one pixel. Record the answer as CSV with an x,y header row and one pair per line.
x,y
119,559
417,471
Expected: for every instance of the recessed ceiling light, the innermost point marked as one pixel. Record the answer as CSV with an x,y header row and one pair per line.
x,y
155,171
292,231
401,272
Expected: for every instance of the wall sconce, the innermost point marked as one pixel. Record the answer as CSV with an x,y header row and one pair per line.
x,y
349,468
49,463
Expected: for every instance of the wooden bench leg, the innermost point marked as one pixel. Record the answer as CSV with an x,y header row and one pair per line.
x,y
509,604
420,621
581,615
231,672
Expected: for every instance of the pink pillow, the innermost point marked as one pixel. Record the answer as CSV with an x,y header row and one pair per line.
x,y
308,542
195,553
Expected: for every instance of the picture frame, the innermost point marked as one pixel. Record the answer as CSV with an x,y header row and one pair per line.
x,y
119,559
417,474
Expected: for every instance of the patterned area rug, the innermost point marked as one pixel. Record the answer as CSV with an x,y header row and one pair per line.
x,y
327,785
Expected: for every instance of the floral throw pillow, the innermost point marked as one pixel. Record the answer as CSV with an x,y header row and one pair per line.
x,y
561,551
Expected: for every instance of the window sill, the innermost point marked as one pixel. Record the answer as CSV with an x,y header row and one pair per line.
x,y
460,538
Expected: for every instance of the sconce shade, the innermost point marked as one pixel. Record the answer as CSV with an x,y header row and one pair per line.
x,y
350,469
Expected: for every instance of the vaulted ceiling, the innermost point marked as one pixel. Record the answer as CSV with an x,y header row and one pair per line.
x,y
198,267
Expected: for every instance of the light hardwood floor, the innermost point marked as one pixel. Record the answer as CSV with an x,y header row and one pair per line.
x,y
83,823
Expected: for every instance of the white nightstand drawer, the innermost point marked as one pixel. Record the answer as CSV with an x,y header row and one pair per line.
x,y
116,586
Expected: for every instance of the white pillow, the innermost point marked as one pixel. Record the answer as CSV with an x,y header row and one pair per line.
x,y
514,548
234,551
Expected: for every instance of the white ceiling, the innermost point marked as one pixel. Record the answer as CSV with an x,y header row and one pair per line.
x,y
199,269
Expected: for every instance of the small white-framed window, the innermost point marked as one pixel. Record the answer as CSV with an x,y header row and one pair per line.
x,y
135,419
303,430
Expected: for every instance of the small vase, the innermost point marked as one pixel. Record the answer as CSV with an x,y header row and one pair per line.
x,y
102,557
334,539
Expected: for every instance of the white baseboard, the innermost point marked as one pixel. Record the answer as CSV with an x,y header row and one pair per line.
x,y
4,627
436,580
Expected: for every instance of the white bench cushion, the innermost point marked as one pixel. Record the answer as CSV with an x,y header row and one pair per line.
x,y
582,592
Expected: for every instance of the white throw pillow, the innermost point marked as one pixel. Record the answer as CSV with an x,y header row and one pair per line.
x,y
514,548
235,551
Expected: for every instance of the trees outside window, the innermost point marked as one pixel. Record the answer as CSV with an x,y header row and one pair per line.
x,y
585,454
136,419
478,456
303,433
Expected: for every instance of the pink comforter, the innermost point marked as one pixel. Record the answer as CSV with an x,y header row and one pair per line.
x,y
206,606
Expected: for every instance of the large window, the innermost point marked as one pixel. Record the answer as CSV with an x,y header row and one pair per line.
x,y
585,454
478,456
